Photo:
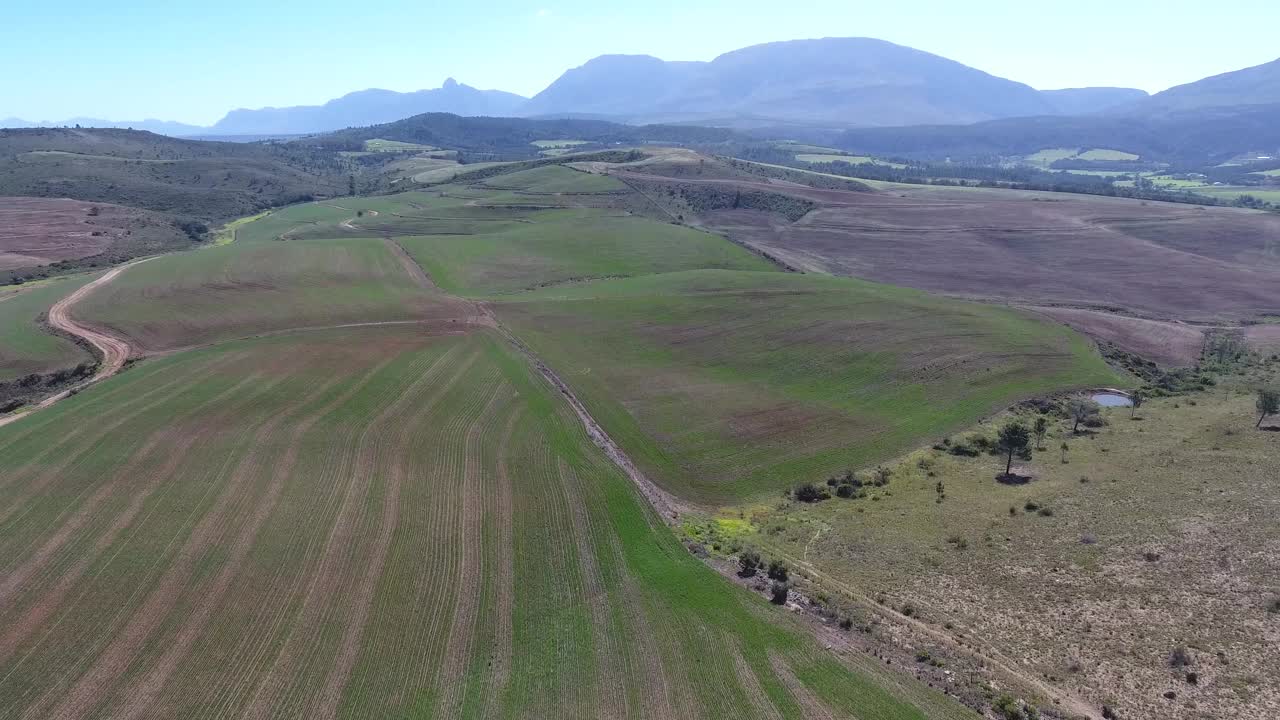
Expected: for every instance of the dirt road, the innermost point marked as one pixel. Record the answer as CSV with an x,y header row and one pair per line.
x,y
115,351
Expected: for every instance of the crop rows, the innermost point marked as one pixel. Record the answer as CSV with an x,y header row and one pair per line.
x,y
356,523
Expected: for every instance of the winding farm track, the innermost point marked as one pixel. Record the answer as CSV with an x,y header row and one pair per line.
x,y
115,351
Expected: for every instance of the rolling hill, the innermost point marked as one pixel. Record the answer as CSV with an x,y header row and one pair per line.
x,y
209,181
512,136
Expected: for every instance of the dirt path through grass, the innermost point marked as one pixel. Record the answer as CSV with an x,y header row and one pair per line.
x,y
115,350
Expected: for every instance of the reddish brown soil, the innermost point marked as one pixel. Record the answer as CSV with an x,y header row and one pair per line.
x,y
1165,342
1159,260
40,231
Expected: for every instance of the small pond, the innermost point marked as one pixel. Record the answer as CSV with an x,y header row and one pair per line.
x,y
1112,400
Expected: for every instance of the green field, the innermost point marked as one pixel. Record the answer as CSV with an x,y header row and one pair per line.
x,y
1048,156
249,288
566,246
395,146
24,345
1104,154
370,523
1269,173
851,159
1045,158
803,148
558,144
551,179
728,385
345,480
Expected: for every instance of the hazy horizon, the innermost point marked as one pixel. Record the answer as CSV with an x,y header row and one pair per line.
x,y
193,65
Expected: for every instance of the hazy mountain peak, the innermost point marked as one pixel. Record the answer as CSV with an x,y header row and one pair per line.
x,y
854,81
1257,85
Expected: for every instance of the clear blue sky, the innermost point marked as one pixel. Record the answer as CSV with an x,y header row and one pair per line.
x,y
193,61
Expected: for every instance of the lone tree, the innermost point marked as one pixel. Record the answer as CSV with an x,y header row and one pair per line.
x,y
1082,409
1014,439
1268,404
1135,402
1065,448
1040,429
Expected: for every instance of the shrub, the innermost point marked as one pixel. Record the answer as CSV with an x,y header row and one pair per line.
x,y
778,592
1031,506
810,493
1180,657
1045,512
846,491
846,624
749,562
882,476
777,571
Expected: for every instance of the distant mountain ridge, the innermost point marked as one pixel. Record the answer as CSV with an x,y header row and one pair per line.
x,y
160,127
1257,85
1084,101
850,81
835,83
368,107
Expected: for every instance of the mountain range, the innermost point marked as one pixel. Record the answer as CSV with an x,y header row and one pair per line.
x,y
837,83
852,82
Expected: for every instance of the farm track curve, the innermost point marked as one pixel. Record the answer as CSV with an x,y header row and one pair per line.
x,y
115,350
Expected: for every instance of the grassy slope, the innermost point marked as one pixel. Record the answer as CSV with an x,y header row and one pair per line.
x,y
726,385
213,181
252,287
1177,481
261,285
567,246
422,502
556,179
24,346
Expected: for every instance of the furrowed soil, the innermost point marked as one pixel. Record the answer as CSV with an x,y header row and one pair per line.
x,y
369,522
1214,264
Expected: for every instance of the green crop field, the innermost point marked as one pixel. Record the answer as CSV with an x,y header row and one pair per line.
x,y
25,347
1104,154
851,159
803,148
1048,156
726,385
371,523
559,144
550,179
251,287
566,246
380,145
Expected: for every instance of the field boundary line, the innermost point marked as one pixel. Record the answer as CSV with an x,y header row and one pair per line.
x,y
667,505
